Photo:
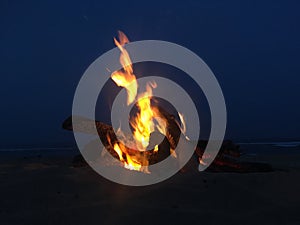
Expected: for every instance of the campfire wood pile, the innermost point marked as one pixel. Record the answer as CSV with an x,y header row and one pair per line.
x,y
227,160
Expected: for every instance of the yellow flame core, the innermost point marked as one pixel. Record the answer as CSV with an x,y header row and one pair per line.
x,y
143,124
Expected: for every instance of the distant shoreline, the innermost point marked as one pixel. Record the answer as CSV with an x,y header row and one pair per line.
x,y
278,144
36,149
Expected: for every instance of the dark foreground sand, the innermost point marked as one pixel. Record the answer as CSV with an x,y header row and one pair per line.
x,y
43,188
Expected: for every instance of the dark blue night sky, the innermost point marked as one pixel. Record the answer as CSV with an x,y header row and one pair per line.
x,y
253,47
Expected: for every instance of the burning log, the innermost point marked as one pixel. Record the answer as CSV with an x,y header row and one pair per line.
x,y
227,159
109,139
227,148
224,162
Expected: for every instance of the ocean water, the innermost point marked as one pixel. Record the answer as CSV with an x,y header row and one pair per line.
x,y
37,149
39,152
278,144
292,147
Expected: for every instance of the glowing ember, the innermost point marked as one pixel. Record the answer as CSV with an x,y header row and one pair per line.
x,y
129,163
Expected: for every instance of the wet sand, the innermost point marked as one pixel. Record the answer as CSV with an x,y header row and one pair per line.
x,y
44,188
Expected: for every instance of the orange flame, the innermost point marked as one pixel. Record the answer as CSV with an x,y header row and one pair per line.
x,y
125,78
148,118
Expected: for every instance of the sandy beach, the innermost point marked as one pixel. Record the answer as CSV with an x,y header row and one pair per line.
x,y
43,187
